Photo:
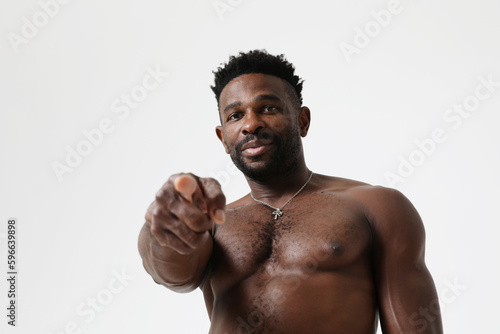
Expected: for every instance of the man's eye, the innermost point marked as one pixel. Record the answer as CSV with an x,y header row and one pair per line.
x,y
234,116
270,108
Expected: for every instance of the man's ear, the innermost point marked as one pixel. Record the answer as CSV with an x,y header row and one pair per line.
x,y
220,135
304,120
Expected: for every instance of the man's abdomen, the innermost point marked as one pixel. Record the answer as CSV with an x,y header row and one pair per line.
x,y
297,302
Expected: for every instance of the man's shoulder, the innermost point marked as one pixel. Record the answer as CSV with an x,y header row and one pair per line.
x,y
336,184
350,186
369,197
386,209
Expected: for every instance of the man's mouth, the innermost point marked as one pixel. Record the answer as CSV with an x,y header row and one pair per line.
x,y
256,147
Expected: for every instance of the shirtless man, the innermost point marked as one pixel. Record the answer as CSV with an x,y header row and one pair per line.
x,y
302,252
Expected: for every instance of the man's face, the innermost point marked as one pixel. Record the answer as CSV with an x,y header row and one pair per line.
x,y
261,128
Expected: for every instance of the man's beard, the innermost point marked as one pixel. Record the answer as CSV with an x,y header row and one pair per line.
x,y
284,158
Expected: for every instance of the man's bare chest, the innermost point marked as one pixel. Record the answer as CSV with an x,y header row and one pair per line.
x,y
320,233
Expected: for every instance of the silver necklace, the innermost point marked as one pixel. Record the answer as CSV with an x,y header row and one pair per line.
x,y
278,212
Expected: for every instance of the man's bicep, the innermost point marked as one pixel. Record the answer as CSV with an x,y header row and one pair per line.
x,y
404,285
398,231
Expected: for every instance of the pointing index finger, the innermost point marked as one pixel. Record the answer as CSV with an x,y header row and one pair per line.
x,y
186,185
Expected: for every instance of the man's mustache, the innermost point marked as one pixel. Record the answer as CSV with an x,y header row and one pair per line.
x,y
259,135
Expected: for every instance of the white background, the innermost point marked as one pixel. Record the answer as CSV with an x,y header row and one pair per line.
x,y
367,111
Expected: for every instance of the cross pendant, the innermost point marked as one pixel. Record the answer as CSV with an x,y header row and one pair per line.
x,y
277,213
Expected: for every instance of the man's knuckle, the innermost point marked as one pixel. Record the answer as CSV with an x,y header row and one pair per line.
x,y
220,198
155,228
175,225
212,181
213,192
157,212
209,184
160,196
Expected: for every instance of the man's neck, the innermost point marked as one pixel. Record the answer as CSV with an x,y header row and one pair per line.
x,y
279,189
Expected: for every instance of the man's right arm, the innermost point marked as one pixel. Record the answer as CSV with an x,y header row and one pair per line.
x,y
175,242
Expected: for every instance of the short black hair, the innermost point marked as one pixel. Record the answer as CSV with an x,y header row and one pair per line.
x,y
258,61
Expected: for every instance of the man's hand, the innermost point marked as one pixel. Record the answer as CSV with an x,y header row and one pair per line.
x,y
184,211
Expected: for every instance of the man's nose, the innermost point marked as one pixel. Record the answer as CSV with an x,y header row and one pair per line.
x,y
253,123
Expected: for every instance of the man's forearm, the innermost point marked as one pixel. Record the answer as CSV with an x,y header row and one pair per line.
x,y
178,272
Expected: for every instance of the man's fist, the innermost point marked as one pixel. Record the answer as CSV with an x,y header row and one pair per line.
x,y
184,211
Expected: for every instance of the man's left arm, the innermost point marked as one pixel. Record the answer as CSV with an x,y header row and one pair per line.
x,y
408,302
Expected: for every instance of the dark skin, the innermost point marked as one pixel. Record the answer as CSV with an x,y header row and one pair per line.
x,y
342,252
